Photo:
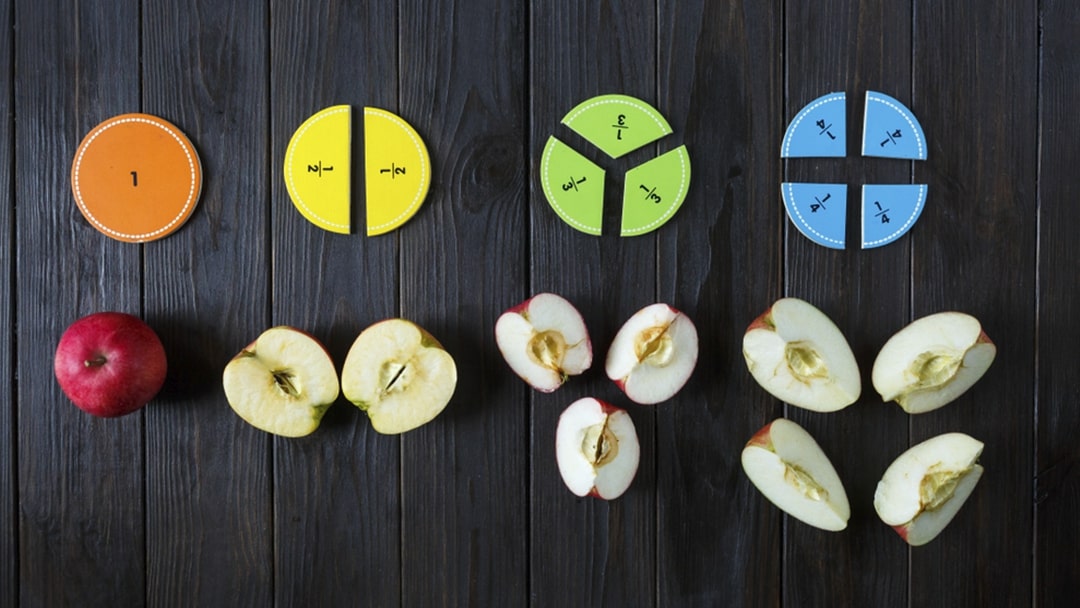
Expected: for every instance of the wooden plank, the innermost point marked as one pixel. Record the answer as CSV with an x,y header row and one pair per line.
x,y
336,497
976,252
840,46
718,541
465,475
587,551
9,526
1057,487
208,499
80,478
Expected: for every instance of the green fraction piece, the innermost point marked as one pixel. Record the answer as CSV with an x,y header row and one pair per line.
x,y
617,124
654,191
573,185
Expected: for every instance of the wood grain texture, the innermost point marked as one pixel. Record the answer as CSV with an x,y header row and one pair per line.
x,y
976,252
464,476
587,551
1057,481
80,478
850,47
9,529
718,541
208,502
337,500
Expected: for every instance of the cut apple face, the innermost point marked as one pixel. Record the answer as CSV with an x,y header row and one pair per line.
x,y
282,383
596,448
399,375
785,463
544,340
924,488
932,361
653,354
799,356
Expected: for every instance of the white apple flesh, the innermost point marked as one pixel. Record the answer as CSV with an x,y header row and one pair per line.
x,y
785,463
932,361
596,448
924,488
797,354
399,375
110,363
653,354
282,383
544,340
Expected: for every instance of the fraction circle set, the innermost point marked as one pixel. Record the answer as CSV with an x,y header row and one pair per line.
x,y
138,178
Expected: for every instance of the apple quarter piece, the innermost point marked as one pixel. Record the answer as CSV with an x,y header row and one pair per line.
x,y
544,340
819,211
818,129
397,170
889,211
596,449
654,191
282,383
317,169
573,186
617,124
890,129
136,178
797,354
924,488
784,462
399,375
653,354
932,361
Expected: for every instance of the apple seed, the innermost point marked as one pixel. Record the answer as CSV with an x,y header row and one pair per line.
x,y
285,381
389,374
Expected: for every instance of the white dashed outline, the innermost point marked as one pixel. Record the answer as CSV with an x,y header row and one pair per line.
x,y
422,159
904,113
642,106
290,179
789,203
902,229
684,160
785,147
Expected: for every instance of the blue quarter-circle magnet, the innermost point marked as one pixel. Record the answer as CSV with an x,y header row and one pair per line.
x,y
889,211
817,131
890,129
819,211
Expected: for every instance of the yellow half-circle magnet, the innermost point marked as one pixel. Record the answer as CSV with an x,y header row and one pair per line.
x,y
397,170
317,169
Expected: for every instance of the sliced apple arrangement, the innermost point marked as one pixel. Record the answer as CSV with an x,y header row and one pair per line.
x,y
797,354
544,340
596,448
785,463
282,383
924,488
399,375
932,361
396,372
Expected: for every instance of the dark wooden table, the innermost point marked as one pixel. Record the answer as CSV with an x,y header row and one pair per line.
x,y
185,504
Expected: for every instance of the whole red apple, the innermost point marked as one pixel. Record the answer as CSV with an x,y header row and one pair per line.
x,y
110,363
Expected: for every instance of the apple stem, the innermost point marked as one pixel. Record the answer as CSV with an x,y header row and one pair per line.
x,y
97,361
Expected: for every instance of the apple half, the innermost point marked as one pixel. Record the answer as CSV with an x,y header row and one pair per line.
x,y
797,354
282,383
399,375
924,488
544,340
785,463
932,361
596,448
653,354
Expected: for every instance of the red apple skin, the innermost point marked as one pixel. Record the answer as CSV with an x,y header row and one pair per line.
x,y
761,438
110,364
762,322
902,530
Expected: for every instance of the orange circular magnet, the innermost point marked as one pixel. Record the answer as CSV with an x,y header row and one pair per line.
x,y
136,178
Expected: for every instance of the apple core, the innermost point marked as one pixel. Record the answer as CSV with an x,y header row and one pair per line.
x,y
937,487
934,370
804,483
548,348
600,445
654,345
805,362
286,382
